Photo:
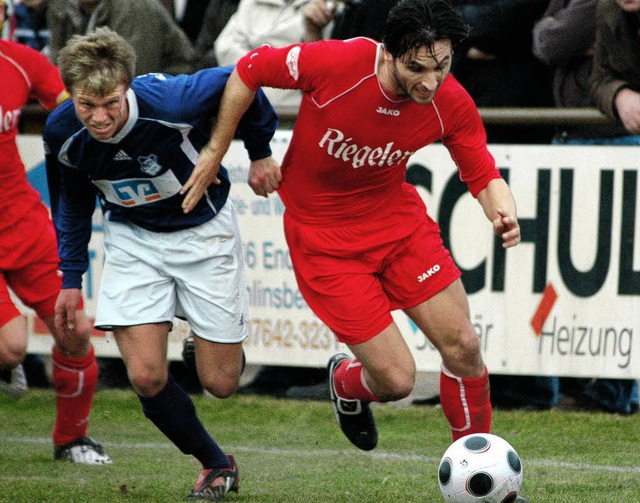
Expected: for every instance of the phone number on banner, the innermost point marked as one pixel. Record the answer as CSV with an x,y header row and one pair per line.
x,y
285,333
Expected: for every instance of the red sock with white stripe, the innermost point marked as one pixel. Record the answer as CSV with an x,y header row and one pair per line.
x,y
350,382
75,381
466,403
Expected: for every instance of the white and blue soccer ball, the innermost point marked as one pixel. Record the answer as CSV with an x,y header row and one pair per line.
x,y
480,468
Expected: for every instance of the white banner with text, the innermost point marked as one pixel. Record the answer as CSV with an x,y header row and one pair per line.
x,y
565,302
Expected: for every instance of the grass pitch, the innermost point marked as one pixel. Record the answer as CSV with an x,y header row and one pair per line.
x,y
293,451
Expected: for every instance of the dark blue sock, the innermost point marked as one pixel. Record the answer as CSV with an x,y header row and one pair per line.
x,y
173,413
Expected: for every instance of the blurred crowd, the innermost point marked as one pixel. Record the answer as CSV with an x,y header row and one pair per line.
x,y
519,53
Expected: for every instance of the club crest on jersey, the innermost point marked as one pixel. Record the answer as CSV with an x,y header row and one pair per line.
x,y
149,164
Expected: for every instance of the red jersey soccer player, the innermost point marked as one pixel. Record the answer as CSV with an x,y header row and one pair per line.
x,y
29,260
360,239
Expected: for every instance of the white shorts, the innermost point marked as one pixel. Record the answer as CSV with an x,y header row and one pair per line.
x,y
196,274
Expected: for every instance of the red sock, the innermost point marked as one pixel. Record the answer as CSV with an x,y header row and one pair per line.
x,y
350,383
466,403
75,381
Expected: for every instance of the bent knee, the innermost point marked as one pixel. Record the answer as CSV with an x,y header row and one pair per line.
x,y
147,383
13,343
10,358
220,388
396,387
221,391
461,355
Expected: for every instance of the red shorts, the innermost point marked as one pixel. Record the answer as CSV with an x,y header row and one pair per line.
x,y
353,276
29,265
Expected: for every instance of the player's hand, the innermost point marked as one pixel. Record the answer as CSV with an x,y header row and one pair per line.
x,y
316,15
65,311
507,227
265,176
205,172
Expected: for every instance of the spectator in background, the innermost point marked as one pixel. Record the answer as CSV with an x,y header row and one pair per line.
x,y
277,23
361,18
343,20
564,39
188,14
497,67
202,21
615,79
29,265
28,24
215,19
160,44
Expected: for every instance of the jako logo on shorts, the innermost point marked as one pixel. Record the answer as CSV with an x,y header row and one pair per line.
x,y
429,273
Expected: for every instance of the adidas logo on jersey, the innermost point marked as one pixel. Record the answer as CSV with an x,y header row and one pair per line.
x,y
121,156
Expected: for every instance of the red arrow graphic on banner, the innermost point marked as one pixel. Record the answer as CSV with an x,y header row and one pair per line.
x,y
549,297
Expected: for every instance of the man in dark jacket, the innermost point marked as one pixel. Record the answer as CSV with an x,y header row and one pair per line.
x,y
160,44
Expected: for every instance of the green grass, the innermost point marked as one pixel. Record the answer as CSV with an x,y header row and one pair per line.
x,y
293,451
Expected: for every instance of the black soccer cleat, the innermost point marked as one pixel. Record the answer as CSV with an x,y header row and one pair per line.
x,y
354,416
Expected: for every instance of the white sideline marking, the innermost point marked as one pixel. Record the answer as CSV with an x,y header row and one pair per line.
x,y
328,452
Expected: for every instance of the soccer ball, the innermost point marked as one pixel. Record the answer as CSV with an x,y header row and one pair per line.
x,y
480,468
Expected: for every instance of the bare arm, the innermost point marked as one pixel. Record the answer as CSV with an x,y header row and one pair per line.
x,y
500,208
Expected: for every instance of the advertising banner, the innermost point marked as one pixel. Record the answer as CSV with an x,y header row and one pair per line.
x,y
565,302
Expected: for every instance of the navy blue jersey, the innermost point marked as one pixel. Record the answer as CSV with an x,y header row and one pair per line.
x,y
137,175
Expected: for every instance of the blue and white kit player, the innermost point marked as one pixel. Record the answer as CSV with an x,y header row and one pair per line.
x,y
133,143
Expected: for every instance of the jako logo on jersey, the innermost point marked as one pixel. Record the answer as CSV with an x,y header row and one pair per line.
x,y
9,119
387,111
429,273
149,164
134,192
338,146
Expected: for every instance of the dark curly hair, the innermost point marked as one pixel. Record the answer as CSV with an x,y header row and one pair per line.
x,y
412,24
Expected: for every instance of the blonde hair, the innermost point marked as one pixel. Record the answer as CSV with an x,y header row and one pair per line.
x,y
97,63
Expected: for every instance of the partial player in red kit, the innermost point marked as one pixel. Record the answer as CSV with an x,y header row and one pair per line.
x,y
360,238
29,262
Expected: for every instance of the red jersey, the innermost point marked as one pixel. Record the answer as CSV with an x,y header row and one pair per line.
x,y
351,142
25,74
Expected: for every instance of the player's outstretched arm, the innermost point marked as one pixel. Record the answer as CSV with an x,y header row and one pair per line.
x,y
235,100
500,208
